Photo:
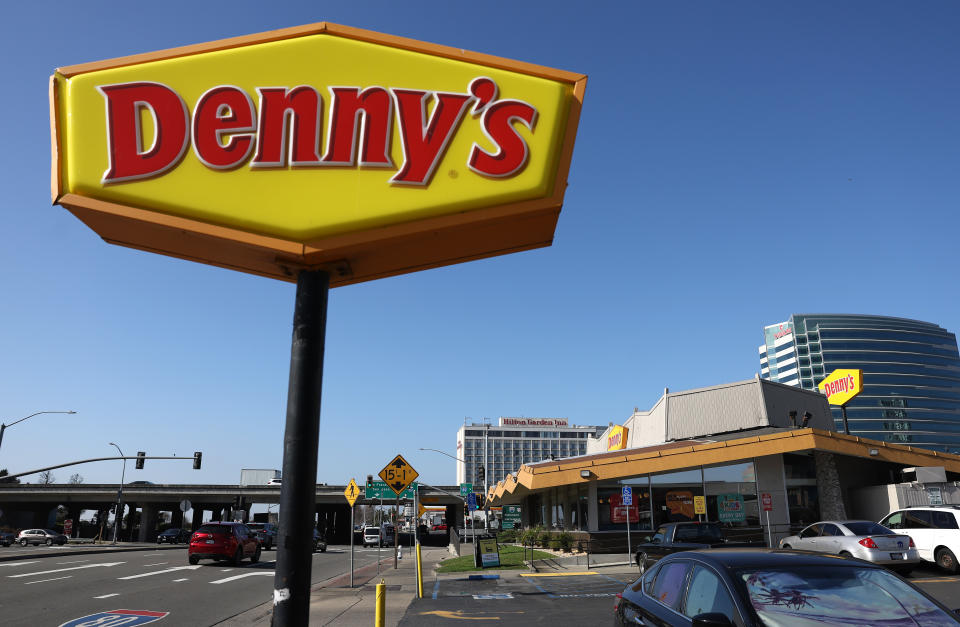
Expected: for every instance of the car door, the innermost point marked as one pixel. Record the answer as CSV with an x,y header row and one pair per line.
x,y
708,594
918,524
248,539
830,538
809,538
661,598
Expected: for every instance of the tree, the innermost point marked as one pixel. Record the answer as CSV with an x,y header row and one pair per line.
x,y
46,477
5,479
76,478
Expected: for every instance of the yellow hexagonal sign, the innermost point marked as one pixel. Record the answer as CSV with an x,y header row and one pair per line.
x,y
842,385
316,146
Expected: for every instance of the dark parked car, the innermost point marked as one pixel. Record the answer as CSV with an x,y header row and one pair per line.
x,y
173,536
7,538
224,541
40,536
266,533
770,587
685,536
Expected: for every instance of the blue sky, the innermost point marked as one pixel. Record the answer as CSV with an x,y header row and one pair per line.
x,y
735,163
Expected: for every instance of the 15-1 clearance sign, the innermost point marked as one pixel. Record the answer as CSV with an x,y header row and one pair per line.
x,y
320,146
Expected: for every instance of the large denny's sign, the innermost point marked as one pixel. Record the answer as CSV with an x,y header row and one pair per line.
x,y
316,146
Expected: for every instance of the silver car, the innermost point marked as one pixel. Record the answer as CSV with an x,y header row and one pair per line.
x,y
40,536
863,539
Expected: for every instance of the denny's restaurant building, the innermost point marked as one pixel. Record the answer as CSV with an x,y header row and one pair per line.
x,y
722,452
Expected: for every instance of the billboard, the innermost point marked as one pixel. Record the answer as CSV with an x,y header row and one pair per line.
x,y
617,438
842,385
258,154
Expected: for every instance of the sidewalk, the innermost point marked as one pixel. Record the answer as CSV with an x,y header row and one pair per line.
x,y
333,602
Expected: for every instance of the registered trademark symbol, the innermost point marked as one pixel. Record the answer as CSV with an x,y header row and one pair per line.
x,y
453,174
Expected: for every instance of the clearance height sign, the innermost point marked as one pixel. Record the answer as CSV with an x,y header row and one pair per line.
x,y
318,147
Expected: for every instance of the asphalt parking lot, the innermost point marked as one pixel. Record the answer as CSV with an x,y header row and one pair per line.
x,y
570,598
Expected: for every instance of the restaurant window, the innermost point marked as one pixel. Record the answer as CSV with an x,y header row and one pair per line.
x,y
672,495
612,513
731,491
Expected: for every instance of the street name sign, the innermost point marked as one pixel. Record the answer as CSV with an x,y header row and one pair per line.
x,y
398,474
259,154
380,490
352,492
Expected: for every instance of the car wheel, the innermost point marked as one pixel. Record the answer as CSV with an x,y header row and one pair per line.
x,y
23,542
787,546
238,556
947,560
642,562
845,554
323,549
194,560
256,556
904,571
49,542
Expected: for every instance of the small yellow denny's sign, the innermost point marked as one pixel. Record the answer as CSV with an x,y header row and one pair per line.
x,y
842,385
617,438
316,146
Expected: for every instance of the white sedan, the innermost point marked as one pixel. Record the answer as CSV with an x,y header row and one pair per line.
x,y
863,539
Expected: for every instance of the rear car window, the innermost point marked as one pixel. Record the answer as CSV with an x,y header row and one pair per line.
x,y
698,533
866,528
944,520
221,529
668,587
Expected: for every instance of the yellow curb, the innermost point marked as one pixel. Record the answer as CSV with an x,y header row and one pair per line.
x,y
586,572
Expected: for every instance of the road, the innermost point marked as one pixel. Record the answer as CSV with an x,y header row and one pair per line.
x,y
47,589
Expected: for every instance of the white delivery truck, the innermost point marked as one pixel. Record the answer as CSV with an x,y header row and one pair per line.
x,y
258,476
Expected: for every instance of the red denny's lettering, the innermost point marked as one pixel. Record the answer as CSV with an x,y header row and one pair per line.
x,y
845,384
226,129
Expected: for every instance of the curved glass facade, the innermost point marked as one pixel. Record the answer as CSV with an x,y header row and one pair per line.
x,y
911,374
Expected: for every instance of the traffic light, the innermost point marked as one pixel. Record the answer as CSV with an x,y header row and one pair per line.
x,y
140,457
481,473
197,456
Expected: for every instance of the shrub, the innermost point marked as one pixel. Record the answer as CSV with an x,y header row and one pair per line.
x,y
566,540
553,543
507,536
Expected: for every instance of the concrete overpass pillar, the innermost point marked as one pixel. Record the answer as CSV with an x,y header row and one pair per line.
x,y
197,517
216,513
148,523
176,517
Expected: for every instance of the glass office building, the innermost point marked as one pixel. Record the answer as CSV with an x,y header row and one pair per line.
x,y
911,373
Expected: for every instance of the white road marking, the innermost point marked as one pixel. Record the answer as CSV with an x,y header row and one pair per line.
x,y
160,572
18,563
184,579
253,574
107,596
30,583
60,570
225,570
73,562
157,564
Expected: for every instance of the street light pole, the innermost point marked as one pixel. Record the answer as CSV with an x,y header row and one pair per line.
x,y
116,517
3,427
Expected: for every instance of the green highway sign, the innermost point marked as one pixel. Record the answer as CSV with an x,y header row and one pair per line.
x,y
465,489
511,516
380,490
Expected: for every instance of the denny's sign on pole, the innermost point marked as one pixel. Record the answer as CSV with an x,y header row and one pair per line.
x,y
320,146
840,387
322,154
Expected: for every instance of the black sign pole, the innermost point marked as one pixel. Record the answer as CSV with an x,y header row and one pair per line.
x,y
298,493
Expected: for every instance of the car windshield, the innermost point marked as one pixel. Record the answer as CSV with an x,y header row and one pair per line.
x,y
171,532
866,528
698,533
803,596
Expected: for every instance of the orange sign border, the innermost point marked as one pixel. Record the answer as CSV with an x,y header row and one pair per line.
x,y
351,257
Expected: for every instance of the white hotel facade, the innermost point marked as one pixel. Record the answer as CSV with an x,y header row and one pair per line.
x,y
502,448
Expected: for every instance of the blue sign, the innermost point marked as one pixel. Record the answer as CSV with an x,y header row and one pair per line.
x,y
626,495
472,501
116,618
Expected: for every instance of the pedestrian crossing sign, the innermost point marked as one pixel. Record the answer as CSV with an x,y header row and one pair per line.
x,y
352,492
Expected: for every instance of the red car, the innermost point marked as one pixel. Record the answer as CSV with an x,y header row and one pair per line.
x,y
224,541
439,528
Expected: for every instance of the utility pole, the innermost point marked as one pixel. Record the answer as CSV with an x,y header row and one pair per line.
x,y
486,473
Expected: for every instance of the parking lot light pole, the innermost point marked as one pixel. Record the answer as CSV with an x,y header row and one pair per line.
x,y
3,427
123,474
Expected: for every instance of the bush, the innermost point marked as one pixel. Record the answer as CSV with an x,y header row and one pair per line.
x,y
544,538
554,544
507,536
566,541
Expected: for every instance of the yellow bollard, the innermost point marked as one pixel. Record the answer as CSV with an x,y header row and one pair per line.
x,y
419,574
381,616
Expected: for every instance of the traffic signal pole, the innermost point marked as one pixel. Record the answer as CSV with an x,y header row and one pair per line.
x,y
291,587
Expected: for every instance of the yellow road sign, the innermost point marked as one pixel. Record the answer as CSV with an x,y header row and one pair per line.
x,y
699,505
352,492
398,474
421,510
